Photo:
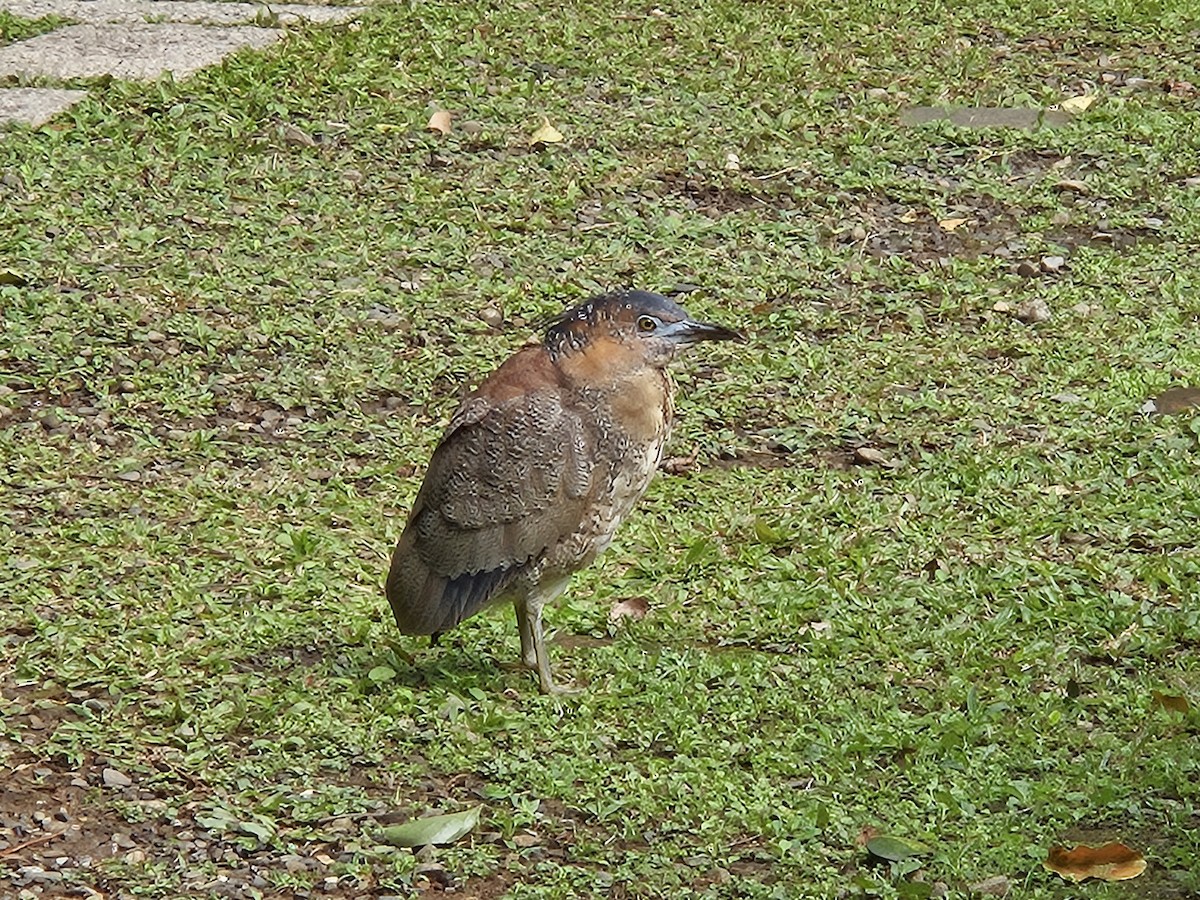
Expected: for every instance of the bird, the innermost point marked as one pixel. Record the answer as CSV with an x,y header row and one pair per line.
x,y
539,465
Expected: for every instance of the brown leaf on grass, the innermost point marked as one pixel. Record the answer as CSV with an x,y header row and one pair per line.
x,y
949,225
866,833
1111,862
439,121
869,456
1170,702
996,886
680,465
632,608
1174,400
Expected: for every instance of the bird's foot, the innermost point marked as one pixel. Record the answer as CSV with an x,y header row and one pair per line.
x,y
554,689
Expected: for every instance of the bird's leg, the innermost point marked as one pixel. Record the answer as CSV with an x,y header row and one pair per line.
x,y
530,624
528,654
540,653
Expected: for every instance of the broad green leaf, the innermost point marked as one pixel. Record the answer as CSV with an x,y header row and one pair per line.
x,y
380,674
432,829
260,830
892,848
765,532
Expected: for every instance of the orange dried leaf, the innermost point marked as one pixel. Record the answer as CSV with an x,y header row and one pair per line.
x,y
1111,862
1170,702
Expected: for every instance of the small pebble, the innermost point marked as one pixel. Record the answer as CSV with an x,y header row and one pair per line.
x,y
1033,312
115,778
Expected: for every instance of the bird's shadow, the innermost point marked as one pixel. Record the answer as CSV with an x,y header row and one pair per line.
x,y
447,665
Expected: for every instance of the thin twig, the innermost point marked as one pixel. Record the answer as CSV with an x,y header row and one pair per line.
x,y
774,174
13,851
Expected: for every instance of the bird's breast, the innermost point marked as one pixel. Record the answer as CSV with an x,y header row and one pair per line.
x,y
630,427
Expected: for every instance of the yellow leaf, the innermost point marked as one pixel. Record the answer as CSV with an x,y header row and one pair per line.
x,y
909,217
547,134
951,224
1078,104
439,121
1112,862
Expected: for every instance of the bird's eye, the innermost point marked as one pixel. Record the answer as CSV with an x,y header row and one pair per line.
x,y
646,323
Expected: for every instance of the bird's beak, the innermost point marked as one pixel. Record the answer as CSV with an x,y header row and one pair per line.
x,y
689,331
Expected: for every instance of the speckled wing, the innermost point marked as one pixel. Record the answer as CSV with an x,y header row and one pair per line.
x,y
506,483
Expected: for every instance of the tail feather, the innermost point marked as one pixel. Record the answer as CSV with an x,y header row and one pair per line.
x,y
424,602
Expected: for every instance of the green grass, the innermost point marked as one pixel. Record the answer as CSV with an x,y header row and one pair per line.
x,y
14,28
961,648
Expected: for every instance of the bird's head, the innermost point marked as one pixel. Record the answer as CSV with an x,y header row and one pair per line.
x,y
651,326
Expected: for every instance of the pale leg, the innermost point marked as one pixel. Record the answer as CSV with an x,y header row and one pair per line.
x,y
531,624
528,654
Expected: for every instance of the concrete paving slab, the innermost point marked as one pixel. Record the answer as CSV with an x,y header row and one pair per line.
x,y
128,51
35,106
196,12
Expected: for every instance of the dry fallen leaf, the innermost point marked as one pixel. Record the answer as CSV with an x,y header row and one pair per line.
x,y
872,457
996,886
633,608
1170,702
951,224
909,217
1078,104
547,134
680,465
1072,185
865,834
1112,862
439,121
1175,400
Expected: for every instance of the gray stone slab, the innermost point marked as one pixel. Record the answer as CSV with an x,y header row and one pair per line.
x,y
35,106
985,116
197,12
128,51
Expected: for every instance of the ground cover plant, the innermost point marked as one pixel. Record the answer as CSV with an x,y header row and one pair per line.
x,y
923,565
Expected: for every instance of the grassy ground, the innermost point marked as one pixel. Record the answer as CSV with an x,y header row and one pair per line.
x,y
238,310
